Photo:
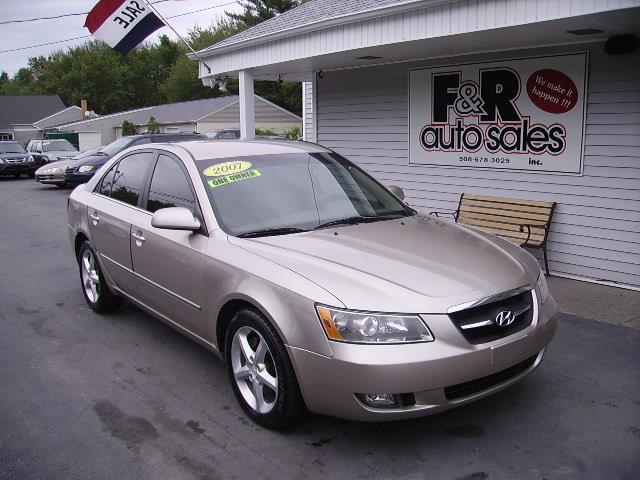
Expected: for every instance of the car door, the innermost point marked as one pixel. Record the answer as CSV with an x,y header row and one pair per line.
x,y
111,211
170,263
37,154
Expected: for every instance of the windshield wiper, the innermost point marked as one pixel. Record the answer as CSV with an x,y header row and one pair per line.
x,y
272,231
360,219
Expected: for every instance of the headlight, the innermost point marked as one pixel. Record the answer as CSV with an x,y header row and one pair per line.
x,y
362,327
52,157
86,168
1,160
542,287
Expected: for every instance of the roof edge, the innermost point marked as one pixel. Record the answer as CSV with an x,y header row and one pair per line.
x,y
320,24
57,113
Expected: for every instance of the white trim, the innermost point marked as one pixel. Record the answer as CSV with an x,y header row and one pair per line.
x,y
57,113
102,117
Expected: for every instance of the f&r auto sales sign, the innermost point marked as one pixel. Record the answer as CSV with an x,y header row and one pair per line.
x,y
525,114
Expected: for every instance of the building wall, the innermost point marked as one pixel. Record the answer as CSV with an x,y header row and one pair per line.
x,y
363,114
105,125
267,116
64,116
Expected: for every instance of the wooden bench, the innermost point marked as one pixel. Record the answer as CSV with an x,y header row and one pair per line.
x,y
523,222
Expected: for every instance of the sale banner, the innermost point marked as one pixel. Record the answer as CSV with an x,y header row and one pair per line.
x,y
524,114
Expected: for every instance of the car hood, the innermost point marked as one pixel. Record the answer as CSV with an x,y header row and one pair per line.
x,y
91,160
62,153
13,156
59,164
418,264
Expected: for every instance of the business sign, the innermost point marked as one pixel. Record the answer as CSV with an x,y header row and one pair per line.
x,y
525,114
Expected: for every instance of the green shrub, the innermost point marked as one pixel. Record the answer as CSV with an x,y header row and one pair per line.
x,y
128,128
293,133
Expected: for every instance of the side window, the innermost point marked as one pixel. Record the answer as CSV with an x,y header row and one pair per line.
x,y
140,141
107,181
228,135
169,187
129,176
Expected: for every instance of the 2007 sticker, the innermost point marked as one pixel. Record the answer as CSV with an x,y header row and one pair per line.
x,y
226,168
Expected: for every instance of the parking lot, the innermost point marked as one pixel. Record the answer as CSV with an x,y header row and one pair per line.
x,y
124,396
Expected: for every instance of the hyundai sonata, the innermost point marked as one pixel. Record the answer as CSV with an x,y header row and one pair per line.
x,y
321,289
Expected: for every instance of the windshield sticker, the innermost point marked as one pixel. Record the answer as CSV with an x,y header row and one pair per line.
x,y
236,177
226,168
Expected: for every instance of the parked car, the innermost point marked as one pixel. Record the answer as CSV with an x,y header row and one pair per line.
x,y
234,134
81,170
318,286
14,160
53,150
53,173
227,134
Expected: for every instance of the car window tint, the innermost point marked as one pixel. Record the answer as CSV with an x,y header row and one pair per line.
x,y
107,181
228,136
169,187
140,141
129,177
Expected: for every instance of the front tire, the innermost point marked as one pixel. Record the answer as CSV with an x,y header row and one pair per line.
x,y
260,371
94,287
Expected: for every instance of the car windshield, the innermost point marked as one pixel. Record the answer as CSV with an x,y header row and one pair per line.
x,y
11,147
57,146
116,146
285,193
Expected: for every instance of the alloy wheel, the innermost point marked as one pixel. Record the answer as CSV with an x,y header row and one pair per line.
x,y
254,369
90,276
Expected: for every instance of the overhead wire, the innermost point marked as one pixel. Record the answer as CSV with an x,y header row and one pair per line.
x,y
88,36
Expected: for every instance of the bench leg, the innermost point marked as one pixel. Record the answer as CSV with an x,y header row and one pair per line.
x,y
546,262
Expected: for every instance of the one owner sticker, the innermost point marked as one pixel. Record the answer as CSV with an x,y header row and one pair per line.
x,y
226,168
236,177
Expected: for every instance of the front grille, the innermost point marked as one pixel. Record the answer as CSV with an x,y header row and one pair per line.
x,y
466,389
69,170
477,324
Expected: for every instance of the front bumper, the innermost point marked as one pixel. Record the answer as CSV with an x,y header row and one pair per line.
x,y
73,179
329,384
51,178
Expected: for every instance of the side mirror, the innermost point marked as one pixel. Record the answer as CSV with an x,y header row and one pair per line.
x,y
397,191
175,218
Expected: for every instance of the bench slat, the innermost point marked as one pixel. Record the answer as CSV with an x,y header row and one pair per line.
x,y
493,212
512,235
513,201
511,207
517,221
537,233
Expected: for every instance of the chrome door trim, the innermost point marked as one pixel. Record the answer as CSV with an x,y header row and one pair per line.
x,y
160,287
490,299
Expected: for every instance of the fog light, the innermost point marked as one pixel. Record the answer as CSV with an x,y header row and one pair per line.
x,y
387,400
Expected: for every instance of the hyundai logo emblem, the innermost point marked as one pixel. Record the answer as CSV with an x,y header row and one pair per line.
x,y
504,318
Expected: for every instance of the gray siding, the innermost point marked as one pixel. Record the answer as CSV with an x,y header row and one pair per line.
x,y
265,113
105,125
363,114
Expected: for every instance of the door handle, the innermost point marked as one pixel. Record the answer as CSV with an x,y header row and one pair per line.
x,y
94,216
138,237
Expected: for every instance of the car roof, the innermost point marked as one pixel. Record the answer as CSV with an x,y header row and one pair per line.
x,y
213,148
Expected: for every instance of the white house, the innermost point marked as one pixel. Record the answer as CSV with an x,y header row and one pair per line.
x,y
191,116
534,99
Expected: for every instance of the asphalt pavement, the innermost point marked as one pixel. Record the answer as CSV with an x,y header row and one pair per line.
x,y
86,396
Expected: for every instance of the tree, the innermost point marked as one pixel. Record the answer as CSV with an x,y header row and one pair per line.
x,y
256,11
152,126
128,128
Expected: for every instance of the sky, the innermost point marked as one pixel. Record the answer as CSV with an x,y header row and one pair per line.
x,y
18,35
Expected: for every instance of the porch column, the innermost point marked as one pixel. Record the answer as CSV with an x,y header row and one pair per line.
x,y
247,108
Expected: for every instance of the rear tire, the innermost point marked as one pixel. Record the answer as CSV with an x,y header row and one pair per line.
x,y
260,371
94,287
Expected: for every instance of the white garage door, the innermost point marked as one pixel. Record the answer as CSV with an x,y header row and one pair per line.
x,y
88,140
